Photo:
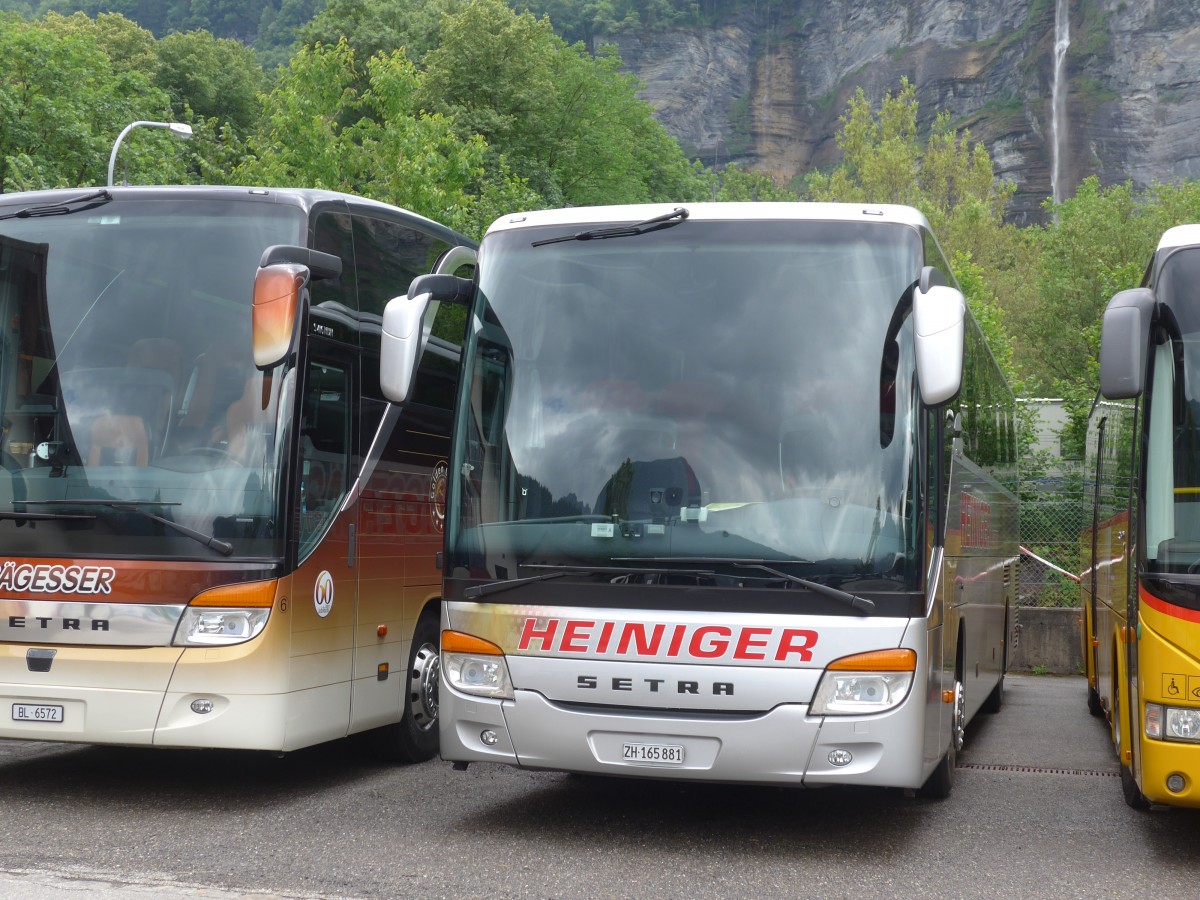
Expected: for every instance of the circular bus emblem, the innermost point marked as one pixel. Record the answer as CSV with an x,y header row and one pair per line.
x,y
323,594
437,496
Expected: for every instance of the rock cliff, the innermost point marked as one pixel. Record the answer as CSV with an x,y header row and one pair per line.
x,y
765,86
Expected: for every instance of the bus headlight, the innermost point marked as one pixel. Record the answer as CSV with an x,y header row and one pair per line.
x,y
864,683
475,666
208,627
1172,723
229,614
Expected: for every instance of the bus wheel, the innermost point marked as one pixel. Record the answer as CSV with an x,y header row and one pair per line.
x,y
415,737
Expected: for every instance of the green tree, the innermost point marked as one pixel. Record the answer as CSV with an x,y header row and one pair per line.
x,y
1099,243
216,78
128,46
952,182
381,26
333,122
734,183
278,29
568,122
62,104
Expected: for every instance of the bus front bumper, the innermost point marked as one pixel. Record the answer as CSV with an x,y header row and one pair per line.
x,y
781,746
1163,759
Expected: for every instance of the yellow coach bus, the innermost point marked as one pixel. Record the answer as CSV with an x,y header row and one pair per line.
x,y
214,532
1141,555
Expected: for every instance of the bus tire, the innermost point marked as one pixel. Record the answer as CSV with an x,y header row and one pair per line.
x,y
1132,793
415,737
1095,707
940,783
995,700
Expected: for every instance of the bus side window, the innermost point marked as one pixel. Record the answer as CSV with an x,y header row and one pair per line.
x,y
324,450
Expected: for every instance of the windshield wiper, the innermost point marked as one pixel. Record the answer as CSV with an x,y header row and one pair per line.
x,y
62,208
861,605
558,571
22,515
494,587
596,234
135,506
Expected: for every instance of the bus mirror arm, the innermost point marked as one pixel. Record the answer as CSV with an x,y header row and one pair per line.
x,y
322,266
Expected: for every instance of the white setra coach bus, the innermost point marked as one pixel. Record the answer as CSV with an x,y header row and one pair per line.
x,y
731,497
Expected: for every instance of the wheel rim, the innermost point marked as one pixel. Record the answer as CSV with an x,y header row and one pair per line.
x,y
960,716
423,692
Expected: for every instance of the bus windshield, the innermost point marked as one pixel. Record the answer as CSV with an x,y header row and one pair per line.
x,y
135,422
1173,447
709,391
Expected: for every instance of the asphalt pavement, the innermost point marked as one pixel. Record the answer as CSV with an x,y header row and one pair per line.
x,y
1036,812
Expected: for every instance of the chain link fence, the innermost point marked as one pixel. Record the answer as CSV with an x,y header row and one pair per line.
x,y
1052,523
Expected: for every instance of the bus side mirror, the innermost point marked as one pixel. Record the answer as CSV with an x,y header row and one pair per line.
x,y
402,337
939,316
1123,342
280,297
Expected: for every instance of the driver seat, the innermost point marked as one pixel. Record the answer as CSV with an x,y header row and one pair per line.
x,y
119,440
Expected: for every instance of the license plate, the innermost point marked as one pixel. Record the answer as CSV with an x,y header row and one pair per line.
x,y
653,754
29,712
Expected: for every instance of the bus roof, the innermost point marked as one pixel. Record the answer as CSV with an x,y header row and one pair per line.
x,y
824,212
1180,236
305,198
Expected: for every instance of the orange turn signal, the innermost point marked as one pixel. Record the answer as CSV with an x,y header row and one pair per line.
x,y
901,660
457,642
257,594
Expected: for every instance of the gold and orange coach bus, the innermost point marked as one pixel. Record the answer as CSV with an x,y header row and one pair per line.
x,y
214,532
1141,555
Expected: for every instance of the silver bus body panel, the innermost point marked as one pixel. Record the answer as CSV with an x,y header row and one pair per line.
x,y
745,723
721,638
81,622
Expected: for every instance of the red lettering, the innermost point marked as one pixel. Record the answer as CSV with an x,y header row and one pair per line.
x,y
715,647
575,637
646,646
530,632
606,631
748,647
796,640
676,640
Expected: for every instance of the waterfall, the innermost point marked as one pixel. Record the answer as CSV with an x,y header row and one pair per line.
x,y
1058,96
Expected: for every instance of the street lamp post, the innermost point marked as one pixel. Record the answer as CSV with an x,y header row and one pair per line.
x,y
176,128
